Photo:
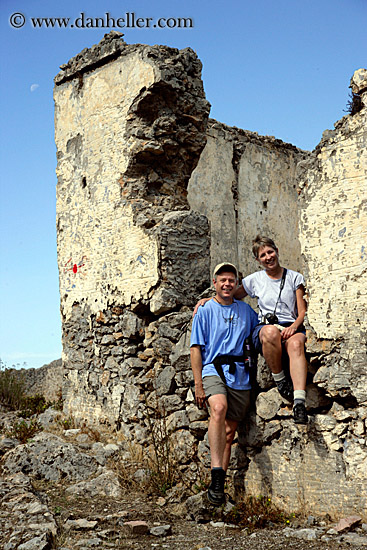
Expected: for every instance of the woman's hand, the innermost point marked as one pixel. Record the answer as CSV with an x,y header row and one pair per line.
x,y
287,332
201,302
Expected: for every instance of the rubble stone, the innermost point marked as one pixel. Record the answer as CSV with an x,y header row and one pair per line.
x,y
47,456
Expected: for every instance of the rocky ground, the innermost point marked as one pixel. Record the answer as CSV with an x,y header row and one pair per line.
x,y
65,490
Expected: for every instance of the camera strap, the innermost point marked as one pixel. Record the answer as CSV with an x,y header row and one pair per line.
x,y
281,287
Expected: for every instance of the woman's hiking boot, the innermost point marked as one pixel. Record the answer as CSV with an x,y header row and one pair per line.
x,y
285,389
300,414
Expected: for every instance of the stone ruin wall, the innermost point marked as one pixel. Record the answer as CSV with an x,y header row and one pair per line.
x,y
245,184
142,178
130,125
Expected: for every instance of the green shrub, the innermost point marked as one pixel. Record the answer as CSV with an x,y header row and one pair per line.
x,y
23,430
67,423
256,513
11,388
354,104
35,404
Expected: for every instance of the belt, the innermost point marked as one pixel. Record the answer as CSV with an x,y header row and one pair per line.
x,y
230,360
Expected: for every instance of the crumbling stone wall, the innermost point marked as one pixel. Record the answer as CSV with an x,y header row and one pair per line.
x,y
130,126
148,198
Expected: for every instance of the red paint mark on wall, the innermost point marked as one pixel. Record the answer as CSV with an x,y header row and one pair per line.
x,y
73,270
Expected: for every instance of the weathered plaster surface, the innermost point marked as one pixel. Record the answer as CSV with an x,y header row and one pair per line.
x,y
334,231
210,193
333,222
95,228
246,185
267,201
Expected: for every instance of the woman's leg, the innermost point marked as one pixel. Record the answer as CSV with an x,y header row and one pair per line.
x,y
271,347
295,346
271,341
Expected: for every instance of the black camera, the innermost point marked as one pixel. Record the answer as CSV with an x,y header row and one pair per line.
x,y
249,354
271,319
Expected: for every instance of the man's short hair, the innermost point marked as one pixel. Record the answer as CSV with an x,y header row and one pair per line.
x,y
260,242
223,267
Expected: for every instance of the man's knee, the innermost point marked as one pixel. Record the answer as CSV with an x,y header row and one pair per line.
x,y
218,407
230,433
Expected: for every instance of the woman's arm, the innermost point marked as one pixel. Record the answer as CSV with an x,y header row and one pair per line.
x,y
240,293
301,308
201,302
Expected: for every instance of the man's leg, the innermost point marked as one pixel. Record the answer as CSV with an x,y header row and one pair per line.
x,y
217,429
272,351
217,434
231,427
222,430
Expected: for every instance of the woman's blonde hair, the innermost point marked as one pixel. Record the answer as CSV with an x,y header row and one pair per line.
x,y
260,242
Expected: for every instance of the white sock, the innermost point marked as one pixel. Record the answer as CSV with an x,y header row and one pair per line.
x,y
299,396
279,376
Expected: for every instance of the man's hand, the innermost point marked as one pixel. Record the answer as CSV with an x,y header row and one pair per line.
x,y
201,302
200,397
197,367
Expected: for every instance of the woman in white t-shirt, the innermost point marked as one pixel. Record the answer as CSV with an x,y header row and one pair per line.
x,y
282,308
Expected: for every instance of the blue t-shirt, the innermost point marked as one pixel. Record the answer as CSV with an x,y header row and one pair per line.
x,y
221,330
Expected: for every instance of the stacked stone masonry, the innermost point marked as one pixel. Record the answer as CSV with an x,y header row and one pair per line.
x,y
151,193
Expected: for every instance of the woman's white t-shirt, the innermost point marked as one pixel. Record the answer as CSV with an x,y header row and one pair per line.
x,y
266,290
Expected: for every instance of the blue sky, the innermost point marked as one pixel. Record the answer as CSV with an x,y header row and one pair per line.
x,y
278,68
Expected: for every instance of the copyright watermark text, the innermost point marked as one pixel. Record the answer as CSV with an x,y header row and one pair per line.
x,y
129,21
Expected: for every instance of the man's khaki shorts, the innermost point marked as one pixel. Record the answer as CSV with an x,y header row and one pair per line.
x,y
238,401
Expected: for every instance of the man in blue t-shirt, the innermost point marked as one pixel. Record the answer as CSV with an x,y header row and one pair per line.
x,y
220,329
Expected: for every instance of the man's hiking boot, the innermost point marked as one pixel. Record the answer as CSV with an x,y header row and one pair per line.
x,y
216,489
299,414
285,389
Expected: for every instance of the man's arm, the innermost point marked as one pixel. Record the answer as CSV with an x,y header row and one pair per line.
x,y
197,367
240,293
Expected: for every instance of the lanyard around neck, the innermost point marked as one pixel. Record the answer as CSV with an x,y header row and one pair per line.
x,y
281,287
